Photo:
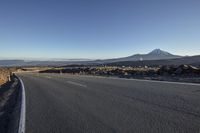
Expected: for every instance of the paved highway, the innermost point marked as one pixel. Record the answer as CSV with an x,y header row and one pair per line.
x,y
86,104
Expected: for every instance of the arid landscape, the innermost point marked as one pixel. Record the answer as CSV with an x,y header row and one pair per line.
x,y
155,65
182,73
150,70
99,66
5,73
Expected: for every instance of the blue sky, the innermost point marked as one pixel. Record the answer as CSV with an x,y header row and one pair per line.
x,y
97,28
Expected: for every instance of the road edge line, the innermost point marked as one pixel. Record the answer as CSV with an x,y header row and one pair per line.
x,y
23,109
147,80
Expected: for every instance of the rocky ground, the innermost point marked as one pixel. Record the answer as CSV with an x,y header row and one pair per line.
x,y
5,73
182,73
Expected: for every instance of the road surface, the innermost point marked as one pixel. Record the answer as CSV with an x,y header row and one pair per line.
x,y
85,104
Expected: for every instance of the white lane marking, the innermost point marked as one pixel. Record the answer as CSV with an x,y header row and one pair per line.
x,y
23,110
167,82
75,83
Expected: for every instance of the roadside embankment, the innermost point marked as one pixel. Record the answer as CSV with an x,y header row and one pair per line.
x,y
9,105
182,73
5,73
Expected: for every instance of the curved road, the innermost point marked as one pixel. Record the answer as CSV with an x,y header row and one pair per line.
x,y
84,104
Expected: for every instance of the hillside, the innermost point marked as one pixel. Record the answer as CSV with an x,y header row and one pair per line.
x,y
156,54
193,60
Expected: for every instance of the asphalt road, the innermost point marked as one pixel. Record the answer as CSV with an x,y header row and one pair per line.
x,y
84,104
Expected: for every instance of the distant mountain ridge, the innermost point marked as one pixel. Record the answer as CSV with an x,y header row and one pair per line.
x,y
11,62
156,54
189,60
155,57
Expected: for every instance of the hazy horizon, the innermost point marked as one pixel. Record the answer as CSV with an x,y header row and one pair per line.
x,y
76,59
97,29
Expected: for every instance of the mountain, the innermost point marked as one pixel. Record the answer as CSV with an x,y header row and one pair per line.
x,y
189,60
156,54
159,52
